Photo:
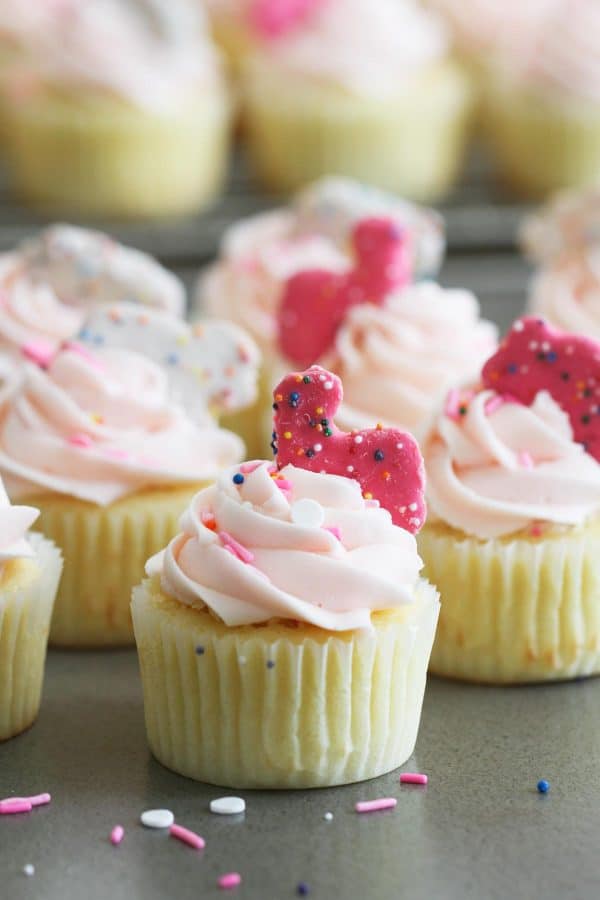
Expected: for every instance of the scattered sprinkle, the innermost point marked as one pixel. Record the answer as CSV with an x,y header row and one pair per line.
x,y
303,889
187,837
242,553
365,806
328,816
307,512
229,880
228,806
29,870
39,352
238,478
413,778
117,835
157,818
543,786
17,805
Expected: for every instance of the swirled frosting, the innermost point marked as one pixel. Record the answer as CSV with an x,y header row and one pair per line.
x,y
363,47
148,52
14,523
292,544
569,222
398,360
98,426
500,466
567,292
565,58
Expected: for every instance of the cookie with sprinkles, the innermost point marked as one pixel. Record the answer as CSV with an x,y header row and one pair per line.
x,y
315,302
386,462
536,357
211,365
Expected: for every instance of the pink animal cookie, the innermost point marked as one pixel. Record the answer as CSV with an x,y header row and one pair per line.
x,y
536,357
315,302
275,18
386,462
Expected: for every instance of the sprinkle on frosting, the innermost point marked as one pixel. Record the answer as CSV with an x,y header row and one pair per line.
x,y
386,462
315,302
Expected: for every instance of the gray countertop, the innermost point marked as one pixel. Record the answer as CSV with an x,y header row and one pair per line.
x,y
479,829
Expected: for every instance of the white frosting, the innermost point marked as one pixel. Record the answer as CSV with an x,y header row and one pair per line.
x,y
567,292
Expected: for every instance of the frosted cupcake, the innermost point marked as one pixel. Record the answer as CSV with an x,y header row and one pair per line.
x,y
568,223
109,438
360,89
30,568
284,634
513,537
543,116
119,110
567,292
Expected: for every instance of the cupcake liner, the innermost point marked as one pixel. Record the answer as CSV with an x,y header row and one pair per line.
x,y
25,609
91,154
542,144
517,609
105,550
278,705
298,132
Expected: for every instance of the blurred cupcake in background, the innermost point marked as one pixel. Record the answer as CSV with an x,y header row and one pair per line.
x,y
358,88
119,110
570,221
112,435
542,117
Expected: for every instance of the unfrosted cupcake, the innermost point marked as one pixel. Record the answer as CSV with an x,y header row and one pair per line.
x,y
284,634
30,568
568,223
119,109
109,438
361,89
513,537
542,117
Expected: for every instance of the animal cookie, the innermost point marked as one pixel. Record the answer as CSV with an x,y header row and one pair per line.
x,y
315,302
536,357
211,365
386,462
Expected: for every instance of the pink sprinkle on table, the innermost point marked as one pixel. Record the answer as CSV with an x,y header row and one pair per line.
x,y
39,352
80,440
229,880
15,805
413,778
117,835
187,837
39,799
365,806
234,546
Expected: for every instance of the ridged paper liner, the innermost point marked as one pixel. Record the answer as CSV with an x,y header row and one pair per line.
x,y
99,155
277,706
515,610
25,611
412,142
105,550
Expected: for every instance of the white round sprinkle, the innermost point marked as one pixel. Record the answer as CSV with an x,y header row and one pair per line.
x,y
328,816
317,448
518,326
157,818
399,446
228,806
349,468
29,870
412,507
307,512
328,385
358,439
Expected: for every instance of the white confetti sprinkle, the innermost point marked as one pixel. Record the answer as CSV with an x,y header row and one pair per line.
x,y
307,512
228,806
241,660
358,439
157,818
29,870
413,507
328,816
328,385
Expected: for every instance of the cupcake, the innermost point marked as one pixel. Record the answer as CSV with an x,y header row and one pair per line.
x,y
569,222
30,568
513,536
284,633
566,291
360,89
361,317
110,437
542,117
119,110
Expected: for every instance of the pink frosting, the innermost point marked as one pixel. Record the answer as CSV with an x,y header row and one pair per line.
x,y
398,361
363,47
567,292
251,552
14,524
101,425
568,223
501,466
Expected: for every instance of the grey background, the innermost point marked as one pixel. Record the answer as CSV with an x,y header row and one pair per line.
x,y
479,830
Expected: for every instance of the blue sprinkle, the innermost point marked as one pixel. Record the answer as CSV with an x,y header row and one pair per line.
x,y
303,889
512,368
543,786
199,649
172,359
238,478
379,455
551,356
270,664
